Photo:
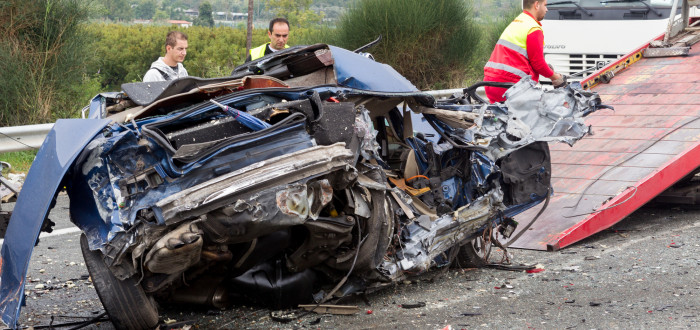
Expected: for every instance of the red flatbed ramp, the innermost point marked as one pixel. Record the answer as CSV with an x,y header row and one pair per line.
x,y
647,144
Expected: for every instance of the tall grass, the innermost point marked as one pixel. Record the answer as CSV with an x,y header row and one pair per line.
x,y
42,59
19,160
435,44
491,29
430,42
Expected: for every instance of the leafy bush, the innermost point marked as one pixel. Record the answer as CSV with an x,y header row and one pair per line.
x,y
51,63
432,43
124,53
42,60
491,28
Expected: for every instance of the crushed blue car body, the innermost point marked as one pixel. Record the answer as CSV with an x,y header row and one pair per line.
x,y
54,159
305,168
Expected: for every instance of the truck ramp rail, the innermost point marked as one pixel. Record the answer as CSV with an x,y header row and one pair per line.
x,y
650,142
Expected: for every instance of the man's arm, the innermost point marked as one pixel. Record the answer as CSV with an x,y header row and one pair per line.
x,y
535,53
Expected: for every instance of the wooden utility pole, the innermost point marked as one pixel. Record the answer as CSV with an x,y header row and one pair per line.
x,y
249,35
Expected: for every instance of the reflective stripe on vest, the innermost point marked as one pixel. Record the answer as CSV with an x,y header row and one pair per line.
x,y
510,53
259,51
512,46
506,68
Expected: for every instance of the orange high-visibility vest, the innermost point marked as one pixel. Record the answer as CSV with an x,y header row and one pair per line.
x,y
509,57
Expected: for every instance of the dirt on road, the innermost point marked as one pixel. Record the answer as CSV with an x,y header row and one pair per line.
x,y
639,274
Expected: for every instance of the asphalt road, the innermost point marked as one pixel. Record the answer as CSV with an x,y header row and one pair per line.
x,y
640,274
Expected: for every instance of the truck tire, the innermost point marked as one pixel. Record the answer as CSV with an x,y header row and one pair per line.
x,y
126,303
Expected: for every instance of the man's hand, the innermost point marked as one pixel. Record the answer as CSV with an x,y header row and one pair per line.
x,y
557,80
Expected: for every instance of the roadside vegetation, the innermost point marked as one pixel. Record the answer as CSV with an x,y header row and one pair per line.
x,y
123,53
43,60
54,58
432,43
20,161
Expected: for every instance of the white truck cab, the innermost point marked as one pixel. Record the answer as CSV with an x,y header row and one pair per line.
x,y
582,36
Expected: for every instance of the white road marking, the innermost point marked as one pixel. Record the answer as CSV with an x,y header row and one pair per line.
x,y
56,232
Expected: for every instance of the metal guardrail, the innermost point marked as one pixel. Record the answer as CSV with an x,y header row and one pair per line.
x,y
445,92
18,138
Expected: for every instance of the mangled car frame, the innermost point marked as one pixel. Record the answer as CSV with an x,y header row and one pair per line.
x,y
308,175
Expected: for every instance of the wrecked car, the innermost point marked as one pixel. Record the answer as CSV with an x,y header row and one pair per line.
x,y
306,176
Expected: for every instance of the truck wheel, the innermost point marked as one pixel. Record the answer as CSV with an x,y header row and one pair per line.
x,y
473,254
126,303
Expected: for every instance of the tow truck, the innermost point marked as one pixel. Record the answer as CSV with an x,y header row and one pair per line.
x,y
582,36
647,148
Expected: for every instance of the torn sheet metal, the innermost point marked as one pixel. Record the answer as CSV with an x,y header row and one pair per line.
x,y
293,167
535,114
427,240
336,182
55,157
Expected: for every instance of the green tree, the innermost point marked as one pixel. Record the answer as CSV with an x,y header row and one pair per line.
x,y
145,9
297,12
42,60
205,17
432,43
117,10
161,15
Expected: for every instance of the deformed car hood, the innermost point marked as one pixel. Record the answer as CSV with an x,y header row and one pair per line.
x,y
363,73
58,152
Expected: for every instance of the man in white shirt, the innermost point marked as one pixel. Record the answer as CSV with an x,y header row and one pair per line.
x,y
170,66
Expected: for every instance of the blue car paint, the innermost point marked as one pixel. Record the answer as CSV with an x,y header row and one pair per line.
x,y
87,216
356,75
123,147
359,72
55,157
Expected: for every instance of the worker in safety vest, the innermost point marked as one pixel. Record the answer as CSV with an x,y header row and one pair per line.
x,y
519,52
278,34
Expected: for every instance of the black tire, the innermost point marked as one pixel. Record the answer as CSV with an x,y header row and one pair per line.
x,y
473,254
126,303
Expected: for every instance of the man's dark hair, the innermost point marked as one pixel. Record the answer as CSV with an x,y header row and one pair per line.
x,y
528,3
278,20
172,37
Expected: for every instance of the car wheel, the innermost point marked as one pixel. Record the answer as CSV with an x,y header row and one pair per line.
x,y
126,303
475,253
